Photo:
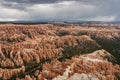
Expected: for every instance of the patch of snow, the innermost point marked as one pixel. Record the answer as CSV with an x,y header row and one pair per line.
x,y
92,59
83,76
64,76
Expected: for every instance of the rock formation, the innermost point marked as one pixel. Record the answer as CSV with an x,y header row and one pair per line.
x,y
60,51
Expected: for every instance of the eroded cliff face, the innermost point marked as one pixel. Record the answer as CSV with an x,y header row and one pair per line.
x,y
59,51
31,56
95,66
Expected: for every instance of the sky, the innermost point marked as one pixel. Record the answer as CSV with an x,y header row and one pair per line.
x,y
59,10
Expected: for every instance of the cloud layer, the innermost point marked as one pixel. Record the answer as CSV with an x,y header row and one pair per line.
x,y
59,10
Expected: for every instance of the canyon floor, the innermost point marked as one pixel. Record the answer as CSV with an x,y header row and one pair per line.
x,y
60,51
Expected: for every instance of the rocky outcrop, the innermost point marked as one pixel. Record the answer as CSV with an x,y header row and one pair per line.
x,y
59,51
35,53
84,67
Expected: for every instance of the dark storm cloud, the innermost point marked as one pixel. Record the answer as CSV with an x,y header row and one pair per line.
x,y
44,1
34,1
15,6
23,4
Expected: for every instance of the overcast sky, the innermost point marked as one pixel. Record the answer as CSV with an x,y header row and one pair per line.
x,y
60,10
